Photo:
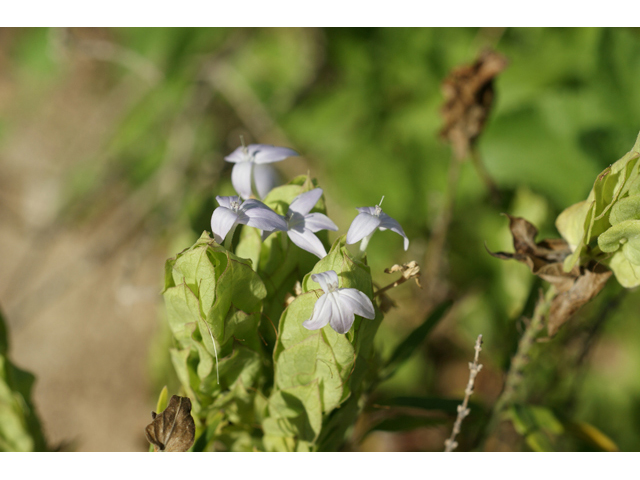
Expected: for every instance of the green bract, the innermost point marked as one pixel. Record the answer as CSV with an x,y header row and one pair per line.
x,y
211,296
606,226
318,370
281,387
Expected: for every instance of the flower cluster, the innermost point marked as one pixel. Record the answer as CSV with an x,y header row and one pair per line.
x,y
252,173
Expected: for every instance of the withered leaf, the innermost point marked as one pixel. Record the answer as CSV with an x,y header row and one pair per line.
x,y
468,92
585,287
173,430
545,259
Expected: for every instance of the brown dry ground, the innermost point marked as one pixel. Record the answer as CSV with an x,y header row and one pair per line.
x,y
80,298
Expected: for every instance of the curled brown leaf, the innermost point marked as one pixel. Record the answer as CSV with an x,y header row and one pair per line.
x,y
468,92
173,430
545,259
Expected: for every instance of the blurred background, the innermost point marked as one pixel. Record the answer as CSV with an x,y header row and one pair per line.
x,y
111,155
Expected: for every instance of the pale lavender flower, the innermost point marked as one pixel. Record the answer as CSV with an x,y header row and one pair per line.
x,y
301,224
337,306
250,212
368,221
251,169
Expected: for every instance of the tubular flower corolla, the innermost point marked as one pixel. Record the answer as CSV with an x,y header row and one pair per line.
x,y
251,168
337,306
250,212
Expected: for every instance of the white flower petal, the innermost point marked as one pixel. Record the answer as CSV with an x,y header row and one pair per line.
x,y
238,155
342,315
369,210
357,302
304,202
308,241
222,221
363,225
261,216
321,314
269,153
325,279
241,178
387,222
318,221
265,178
226,201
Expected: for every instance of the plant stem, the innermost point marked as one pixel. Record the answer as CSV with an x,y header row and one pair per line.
x,y
463,410
514,377
484,175
228,241
435,252
363,246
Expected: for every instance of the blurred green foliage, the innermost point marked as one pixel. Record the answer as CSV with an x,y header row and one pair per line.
x,y
20,429
362,107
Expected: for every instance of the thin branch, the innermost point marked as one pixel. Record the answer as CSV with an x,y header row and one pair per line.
x,y
438,238
409,270
514,376
463,410
483,173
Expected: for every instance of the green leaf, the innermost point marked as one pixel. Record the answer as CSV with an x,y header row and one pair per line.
x,y
4,336
627,208
625,235
183,312
351,273
409,345
20,429
196,268
592,436
294,412
303,356
538,425
162,399
608,203
250,245
626,272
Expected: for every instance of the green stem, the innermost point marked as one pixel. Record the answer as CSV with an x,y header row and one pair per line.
x,y
228,241
511,391
363,246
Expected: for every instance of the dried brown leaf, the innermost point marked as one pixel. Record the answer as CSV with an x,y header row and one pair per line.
x,y
468,92
173,430
408,270
545,259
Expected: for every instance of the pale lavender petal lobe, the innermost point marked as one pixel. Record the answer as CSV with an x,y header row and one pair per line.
x,y
387,222
363,225
265,178
262,217
342,318
222,221
369,210
321,314
357,302
308,241
238,155
325,279
304,202
241,178
269,153
318,221
226,201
